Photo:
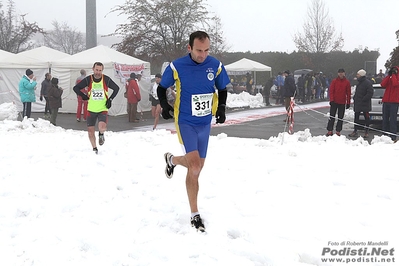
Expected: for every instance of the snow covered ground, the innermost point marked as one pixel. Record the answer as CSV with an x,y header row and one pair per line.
x,y
289,200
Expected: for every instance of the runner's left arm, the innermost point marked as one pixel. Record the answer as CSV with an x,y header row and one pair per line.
x,y
112,85
222,97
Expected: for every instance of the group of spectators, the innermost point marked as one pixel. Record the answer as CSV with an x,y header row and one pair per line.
x,y
340,97
313,86
309,86
50,92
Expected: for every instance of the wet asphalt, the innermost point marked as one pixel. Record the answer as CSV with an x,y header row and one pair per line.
x,y
313,119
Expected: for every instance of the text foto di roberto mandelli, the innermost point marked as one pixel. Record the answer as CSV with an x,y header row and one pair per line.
x,y
355,243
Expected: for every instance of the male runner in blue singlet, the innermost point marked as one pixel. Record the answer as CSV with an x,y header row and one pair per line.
x,y
196,76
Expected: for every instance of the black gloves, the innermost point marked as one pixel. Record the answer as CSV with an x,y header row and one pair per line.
x,y
348,105
167,110
221,111
331,103
220,114
41,98
108,104
85,97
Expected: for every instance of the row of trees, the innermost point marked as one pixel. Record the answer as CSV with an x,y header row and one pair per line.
x,y
157,31
328,63
16,33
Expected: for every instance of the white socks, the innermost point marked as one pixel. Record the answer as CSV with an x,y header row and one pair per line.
x,y
194,213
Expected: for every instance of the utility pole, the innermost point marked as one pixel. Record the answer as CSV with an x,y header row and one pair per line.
x,y
91,24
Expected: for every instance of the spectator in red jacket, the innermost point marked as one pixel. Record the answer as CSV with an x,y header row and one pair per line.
x,y
133,98
390,102
82,104
340,97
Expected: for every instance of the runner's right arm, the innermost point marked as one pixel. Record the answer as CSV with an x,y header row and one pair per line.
x,y
81,85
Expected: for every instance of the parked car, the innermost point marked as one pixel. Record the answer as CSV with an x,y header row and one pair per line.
x,y
376,105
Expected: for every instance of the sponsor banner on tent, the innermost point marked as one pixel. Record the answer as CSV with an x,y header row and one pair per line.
x,y
123,71
237,73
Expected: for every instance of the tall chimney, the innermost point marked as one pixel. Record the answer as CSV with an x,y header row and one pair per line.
x,y
91,24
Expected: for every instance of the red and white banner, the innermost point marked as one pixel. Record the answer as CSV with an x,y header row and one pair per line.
x,y
123,71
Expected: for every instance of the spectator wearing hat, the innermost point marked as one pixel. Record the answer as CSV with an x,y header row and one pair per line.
x,y
133,97
390,101
55,101
362,103
340,98
27,86
289,89
155,104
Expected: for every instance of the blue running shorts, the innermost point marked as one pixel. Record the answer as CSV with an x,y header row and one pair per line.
x,y
194,138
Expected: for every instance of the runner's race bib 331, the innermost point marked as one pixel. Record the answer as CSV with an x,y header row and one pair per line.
x,y
201,104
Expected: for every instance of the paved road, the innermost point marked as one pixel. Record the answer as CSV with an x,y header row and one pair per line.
x,y
245,123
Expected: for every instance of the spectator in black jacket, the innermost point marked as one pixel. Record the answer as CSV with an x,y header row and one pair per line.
x,y
301,87
362,102
289,89
54,99
46,85
266,90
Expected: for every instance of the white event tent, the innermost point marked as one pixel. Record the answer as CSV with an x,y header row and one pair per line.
x,y
5,94
44,53
12,68
67,68
244,65
117,65
4,54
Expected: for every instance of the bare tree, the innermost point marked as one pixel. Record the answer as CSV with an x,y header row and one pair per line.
x,y
159,29
64,38
15,31
319,33
394,59
218,44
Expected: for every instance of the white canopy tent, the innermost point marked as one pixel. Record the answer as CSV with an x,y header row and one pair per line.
x,y
48,55
4,54
44,53
242,66
117,66
12,69
5,93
